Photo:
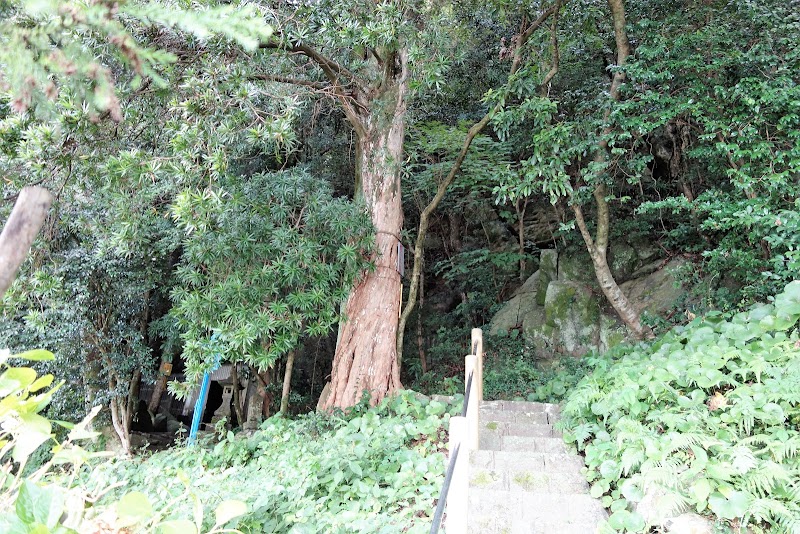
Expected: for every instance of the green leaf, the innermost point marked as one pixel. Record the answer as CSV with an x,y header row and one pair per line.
x,y
41,383
37,355
15,380
228,510
40,504
355,468
134,508
700,491
30,434
731,507
178,526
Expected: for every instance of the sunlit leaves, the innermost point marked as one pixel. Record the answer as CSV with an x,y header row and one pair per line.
x,y
266,261
704,415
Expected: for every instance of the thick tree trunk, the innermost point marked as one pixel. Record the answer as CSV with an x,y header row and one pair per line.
x,y
20,230
287,383
366,356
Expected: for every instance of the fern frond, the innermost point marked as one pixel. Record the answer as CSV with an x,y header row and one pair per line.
x,y
762,480
665,473
770,511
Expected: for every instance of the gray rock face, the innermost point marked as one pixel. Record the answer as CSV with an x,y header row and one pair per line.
x,y
548,271
574,313
577,267
657,291
689,524
561,309
623,261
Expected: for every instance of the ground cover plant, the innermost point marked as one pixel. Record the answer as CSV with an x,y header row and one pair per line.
x,y
703,420
374,470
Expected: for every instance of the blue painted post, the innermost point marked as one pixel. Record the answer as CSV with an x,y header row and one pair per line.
x,y
200,405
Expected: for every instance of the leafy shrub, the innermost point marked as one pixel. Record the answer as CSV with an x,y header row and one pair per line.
x,y
511,372
706,416
45,499
372,470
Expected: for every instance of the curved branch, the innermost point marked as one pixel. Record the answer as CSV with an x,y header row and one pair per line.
x,y
287,79
442,188
334,72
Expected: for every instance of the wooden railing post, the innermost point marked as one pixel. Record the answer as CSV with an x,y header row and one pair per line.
x,y
457,497
473,408
477,347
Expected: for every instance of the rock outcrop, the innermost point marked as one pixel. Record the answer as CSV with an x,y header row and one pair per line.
x,y
561,309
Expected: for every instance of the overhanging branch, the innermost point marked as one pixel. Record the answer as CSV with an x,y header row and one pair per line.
x,y
293,81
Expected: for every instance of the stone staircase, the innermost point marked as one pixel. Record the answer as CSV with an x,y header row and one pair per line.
x,y
523,480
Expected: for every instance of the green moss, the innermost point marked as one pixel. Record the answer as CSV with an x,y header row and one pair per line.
x,y
483,478
527,481
491,426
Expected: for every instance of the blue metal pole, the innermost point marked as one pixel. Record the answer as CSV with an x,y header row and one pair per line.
x,y
200,405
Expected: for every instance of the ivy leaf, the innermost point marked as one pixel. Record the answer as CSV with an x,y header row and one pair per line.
x,y
731,507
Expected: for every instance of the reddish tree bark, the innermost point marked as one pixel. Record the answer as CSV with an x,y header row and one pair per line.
x,y
366,357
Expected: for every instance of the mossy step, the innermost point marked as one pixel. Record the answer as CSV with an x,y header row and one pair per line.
x,y
521,406
518,429
527,461
496,442
528,480
500,416
535,508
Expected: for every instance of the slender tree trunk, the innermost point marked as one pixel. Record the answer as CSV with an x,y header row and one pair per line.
x,y
122,409
366,356
423,359
598,247
424,218
158,391
521,206
287,383
237,395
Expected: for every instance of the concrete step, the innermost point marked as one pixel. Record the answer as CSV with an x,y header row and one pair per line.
x,y
495,525
521,406
526,461
502,416
518,511
495,442
535,430
527,480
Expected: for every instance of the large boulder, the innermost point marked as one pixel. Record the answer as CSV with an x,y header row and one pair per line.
x,y
655,288
623,261
562,315
573,312
513,312
577,266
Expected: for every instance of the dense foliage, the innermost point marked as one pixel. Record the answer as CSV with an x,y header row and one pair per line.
x,y
209,162
704,419
374,470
